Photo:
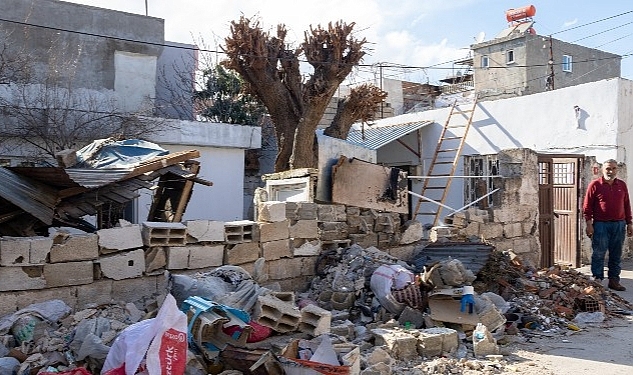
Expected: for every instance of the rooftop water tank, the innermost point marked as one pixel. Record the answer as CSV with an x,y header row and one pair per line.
x,y
515,14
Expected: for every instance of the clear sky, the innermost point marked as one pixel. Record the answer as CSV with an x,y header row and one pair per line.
x,y
414,34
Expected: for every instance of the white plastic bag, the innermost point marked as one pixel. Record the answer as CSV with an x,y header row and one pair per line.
x,y
156,346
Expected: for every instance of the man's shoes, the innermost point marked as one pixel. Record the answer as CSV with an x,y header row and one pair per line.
x,y
615,285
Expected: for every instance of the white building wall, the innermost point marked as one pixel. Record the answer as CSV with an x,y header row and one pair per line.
x,y
221,148
546,122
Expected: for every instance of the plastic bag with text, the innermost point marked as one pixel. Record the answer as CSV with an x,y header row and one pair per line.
x,y
156,346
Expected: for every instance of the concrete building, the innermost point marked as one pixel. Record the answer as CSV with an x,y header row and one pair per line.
x,y
122,59
547,140
519,64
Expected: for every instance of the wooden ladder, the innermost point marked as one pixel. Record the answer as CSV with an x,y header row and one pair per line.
x,y
445,159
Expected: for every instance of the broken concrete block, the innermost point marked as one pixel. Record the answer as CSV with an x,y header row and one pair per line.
x,y
274,231
315,320
271,211
331,212
240,231
97,293
40,248
15,251
276,249
413,233
66,158
307,211
120,238
345,329
205,231
155,259
276,314
68,273
21,278
437,341
124,265
399,344
177,257
164,234
205,256
74,248
307,248
242,253
304,229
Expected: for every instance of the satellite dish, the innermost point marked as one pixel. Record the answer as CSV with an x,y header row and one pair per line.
x,y
480,37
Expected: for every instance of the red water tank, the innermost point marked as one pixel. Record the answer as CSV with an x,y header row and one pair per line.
x,y
520,13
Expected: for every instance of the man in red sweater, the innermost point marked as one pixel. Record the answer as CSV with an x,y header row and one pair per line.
x,y
607,211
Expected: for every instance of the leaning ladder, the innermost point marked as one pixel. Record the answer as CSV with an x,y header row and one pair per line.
x,y
444,162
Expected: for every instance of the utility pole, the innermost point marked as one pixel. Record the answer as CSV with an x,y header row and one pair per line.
x,y
146,9
550,77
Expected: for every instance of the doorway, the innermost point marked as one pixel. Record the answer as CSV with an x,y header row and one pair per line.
x,y
559,209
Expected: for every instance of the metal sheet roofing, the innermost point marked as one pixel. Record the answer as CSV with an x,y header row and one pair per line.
x,y
376,137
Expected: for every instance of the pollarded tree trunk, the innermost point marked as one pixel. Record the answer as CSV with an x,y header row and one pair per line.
x,y
272,73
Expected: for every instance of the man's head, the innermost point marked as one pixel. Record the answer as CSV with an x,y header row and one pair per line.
x,y
609,170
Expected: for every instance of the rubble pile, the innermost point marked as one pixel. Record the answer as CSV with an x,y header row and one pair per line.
x,y
365,312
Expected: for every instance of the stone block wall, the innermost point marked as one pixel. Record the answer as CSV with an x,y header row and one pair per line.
x,y
128,263
512,222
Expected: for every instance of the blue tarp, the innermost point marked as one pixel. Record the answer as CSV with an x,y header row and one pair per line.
x,y
110,154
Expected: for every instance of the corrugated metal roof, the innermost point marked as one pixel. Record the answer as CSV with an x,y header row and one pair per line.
x,y
376,137
31,196
473,256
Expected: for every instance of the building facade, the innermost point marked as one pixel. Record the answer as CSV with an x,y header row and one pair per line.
x,y
523,63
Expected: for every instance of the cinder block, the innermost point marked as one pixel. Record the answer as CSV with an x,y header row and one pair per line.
x,y
15,251
315,321
177,257
120,238
205,256
306,248
276,314
75,248
134,290
274,231
242,253
240,231
96,293
204,231
69,273
331,212
304,229
437,341
399,344
40,248
276,249
155,259
164,234
68,294
21,278
125,265
307,211
271,211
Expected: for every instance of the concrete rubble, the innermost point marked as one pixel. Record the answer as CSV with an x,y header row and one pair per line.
x,y
240,323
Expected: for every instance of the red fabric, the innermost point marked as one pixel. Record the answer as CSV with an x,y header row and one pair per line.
x,y
604,202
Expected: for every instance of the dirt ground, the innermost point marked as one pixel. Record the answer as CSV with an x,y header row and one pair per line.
x,y
603,348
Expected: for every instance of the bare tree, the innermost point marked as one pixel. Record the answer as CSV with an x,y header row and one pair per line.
x,y
272,72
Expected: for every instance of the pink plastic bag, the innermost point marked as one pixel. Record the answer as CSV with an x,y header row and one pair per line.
x,y
156,346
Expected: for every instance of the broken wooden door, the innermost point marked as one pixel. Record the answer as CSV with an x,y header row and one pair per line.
x,y
559,198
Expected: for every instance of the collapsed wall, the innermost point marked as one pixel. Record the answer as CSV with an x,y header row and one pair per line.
x,y
128,263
